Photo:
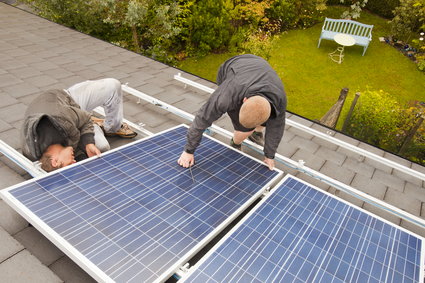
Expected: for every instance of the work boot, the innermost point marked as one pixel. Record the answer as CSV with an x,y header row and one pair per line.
x,y
234,145
98,121
257,137
124,132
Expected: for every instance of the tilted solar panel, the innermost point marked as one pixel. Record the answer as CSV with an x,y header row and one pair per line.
x,y
134,214
301,234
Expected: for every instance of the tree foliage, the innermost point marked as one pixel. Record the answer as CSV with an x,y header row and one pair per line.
x,y
409,18
249,12
151,23
383,8
164,29
355,9
146,26
259,44
296,13
76,14
209,27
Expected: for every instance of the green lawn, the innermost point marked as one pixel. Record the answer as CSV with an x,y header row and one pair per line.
x,y
313,82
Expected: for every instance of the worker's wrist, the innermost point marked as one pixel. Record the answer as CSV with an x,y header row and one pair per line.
x,y
86,139
189,151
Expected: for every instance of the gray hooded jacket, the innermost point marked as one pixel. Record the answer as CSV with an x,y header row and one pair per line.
x,y
71,122
239,77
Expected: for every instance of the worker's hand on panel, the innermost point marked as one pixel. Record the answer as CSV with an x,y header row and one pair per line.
x,y
186,160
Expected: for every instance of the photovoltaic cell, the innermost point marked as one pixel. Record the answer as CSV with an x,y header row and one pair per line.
x,y
301,234
132,214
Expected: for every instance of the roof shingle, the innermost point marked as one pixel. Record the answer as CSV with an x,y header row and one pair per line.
x,y
36,55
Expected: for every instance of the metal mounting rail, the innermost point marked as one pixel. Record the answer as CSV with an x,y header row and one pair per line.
x,y
20,160
324,136
286,161
170,108
35,170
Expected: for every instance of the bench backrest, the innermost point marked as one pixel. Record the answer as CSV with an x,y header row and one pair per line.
x,y
348,27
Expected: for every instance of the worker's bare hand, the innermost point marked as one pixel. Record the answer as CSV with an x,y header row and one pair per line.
x,y
92,150
186,159
269,162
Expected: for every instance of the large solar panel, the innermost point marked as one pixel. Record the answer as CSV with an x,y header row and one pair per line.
x,y
301,234
135,215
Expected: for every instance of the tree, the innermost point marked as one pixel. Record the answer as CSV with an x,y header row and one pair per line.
x,y
250,12
76,14
152,22
223,25
295,13
355,9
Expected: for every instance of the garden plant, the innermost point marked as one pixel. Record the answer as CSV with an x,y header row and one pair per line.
x,y
198,35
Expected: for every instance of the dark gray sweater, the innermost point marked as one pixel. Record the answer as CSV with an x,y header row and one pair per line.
x,y
239,77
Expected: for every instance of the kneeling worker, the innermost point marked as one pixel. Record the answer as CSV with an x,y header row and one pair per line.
x,y
58,128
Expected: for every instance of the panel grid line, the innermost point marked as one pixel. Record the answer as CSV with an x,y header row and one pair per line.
x,y
106,243
134,212
321,239
276,228
155,243
297,240
300,238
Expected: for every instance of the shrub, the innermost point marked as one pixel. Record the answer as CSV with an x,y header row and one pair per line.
x,y
77,14
419,44
259,44
209,27
380,120
383,8
409,17
375,118
284,13
421,63
296,13
415,150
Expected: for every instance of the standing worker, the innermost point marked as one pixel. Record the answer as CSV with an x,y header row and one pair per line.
x,y
251,92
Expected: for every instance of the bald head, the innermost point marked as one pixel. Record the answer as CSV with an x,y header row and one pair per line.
x,y
254,111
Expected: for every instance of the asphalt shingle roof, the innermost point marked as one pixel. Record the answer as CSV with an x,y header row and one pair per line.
x,y
37,55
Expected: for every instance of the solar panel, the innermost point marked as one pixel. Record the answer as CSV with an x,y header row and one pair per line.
x,y
301,234
134,214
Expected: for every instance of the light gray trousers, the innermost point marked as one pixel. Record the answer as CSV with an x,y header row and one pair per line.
x,y
106,93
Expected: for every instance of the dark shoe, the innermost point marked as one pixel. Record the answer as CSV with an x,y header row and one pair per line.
x,y
234,145
124,132
257,137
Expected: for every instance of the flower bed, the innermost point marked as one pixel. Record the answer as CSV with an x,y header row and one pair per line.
x,y
414,54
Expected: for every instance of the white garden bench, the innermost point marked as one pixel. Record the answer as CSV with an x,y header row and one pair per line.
x,y
361,33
